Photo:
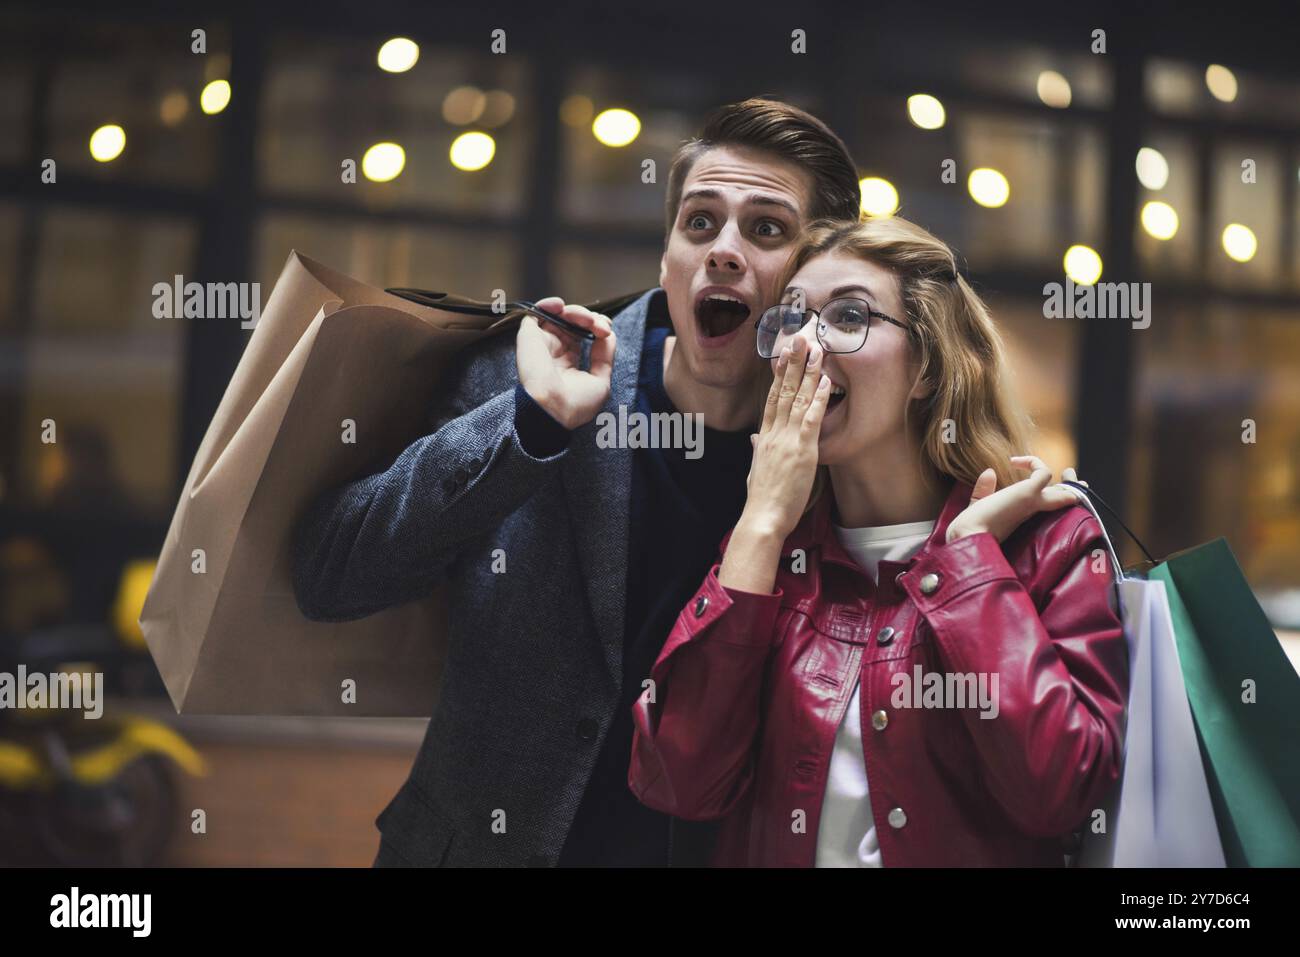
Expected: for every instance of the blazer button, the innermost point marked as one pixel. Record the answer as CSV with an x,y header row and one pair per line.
x,y
885,635
701,603
929,583
587,729
449,486
897,817
461,475
879,720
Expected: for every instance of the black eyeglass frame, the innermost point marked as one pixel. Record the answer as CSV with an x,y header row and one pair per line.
x,y
817,314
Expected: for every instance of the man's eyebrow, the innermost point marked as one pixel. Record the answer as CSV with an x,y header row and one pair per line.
x,y
756,199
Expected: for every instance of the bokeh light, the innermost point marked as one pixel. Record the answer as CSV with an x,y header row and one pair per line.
x,y
398,55
472,151
988,187
107,142
879,198
925,111
616,127
1083,265
383,162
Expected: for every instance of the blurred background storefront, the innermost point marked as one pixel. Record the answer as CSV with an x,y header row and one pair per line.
x,y
513,173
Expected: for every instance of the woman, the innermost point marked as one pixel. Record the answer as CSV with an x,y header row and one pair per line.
x,y
896,662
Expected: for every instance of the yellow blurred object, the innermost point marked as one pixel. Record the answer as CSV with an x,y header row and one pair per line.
x,y
107,143
131,591
137,737
24,767
617,127
19,766
215,97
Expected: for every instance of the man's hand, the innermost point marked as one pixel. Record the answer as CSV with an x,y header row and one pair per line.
x,y
548,363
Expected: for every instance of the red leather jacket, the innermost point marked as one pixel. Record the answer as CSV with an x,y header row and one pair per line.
x,y
749,690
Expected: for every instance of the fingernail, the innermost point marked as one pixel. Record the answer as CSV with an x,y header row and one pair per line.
x,y
824,384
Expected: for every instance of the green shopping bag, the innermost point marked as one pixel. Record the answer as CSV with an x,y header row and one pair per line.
x,y
1251,750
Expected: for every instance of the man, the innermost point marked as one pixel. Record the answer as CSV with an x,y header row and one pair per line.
x,y
526,756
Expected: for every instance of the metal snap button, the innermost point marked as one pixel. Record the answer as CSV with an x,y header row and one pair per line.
x,y
897,817
701,603
885,635
898,579
879,720
929,583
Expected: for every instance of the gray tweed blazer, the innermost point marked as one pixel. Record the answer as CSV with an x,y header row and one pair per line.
x,y
535,656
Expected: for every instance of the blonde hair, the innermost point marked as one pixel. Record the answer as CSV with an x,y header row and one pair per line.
x,y
960,352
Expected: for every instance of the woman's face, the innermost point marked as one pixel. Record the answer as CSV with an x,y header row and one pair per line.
x,y
870,387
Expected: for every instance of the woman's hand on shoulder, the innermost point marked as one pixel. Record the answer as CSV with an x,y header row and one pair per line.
x,y
1001,511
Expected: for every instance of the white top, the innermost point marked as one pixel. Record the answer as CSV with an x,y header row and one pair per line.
x,y
846,834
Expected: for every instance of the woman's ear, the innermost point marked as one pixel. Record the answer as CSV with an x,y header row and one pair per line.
x,y
922,389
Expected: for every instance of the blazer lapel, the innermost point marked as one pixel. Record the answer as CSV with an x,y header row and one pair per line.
x,y
598,489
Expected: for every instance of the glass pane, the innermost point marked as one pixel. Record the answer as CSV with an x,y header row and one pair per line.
x,y
1256,205
100,365
446,260
586,274
1182,88
1043,354
1026,73
328,101
1205,373
1175,167
1055,172
15,105
11,219
146,81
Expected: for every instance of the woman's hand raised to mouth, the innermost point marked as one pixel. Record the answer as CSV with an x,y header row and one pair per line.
x,y
781,475
1000,511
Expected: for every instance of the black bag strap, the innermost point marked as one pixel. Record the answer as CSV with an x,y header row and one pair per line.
x,y
1110,511
473,307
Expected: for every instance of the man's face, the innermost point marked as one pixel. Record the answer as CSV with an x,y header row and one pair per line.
x,y
740,213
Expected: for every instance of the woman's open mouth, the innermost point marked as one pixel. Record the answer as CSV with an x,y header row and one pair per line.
x,y
718,315
838,394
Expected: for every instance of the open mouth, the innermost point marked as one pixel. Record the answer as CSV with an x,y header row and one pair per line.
x,y
838,394
719,314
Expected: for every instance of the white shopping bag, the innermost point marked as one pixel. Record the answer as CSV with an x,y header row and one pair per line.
x,y
1161,814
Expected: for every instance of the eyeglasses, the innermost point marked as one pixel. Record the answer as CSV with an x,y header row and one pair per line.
x,y
842,326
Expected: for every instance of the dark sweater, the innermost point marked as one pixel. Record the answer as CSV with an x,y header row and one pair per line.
x,y
679,511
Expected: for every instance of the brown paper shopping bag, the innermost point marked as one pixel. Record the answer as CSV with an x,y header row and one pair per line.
x,y
220,618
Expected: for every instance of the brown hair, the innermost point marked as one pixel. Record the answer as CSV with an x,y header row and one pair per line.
x,y
960,352
787,132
